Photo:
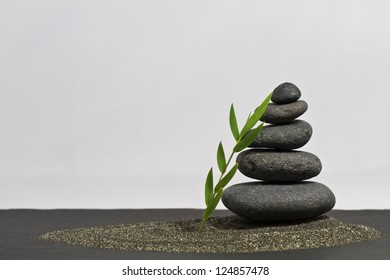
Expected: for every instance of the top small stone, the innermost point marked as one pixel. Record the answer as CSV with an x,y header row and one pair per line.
x,y
285,93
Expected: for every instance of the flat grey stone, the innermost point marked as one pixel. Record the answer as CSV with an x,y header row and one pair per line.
x,y
278,166
284,136
284,113
269,202
285,93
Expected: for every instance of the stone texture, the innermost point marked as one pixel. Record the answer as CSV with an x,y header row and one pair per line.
x,y
268,202
278,166
284,113
284,136
285,93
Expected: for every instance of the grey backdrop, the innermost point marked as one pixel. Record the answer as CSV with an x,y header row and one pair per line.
x,y
121,104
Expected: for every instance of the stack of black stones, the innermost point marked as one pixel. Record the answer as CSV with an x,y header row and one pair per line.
x,y
281,194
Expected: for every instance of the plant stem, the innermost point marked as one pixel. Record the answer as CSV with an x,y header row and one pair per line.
x,y
227,164
202,225
220,178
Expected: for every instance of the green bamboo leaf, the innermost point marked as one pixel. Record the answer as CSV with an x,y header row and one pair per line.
x,y
208,189
256,116
225,180
211,207
221,160
248,139
233,123
250,114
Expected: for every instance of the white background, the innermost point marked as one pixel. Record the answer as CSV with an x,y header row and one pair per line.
x,y
113,269
121,104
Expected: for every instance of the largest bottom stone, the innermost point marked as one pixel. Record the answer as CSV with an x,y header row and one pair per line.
x,y
270,202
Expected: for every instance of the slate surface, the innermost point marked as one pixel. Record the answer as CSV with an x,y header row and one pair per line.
x,y
18,229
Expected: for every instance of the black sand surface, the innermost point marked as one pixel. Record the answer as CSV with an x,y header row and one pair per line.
x,y
19,230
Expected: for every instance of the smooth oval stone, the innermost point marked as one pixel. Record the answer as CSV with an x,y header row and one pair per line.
x,y
284,113
285,93
269,202
284,136
278,166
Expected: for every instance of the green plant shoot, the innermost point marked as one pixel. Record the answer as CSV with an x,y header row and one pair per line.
x,y
243,139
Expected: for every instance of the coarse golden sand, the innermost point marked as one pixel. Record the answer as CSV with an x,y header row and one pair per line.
x,y
220,235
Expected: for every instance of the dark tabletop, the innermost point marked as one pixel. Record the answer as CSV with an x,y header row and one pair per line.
x,y
19,229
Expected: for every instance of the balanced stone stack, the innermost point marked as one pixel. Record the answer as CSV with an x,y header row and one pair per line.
x,y
282,195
